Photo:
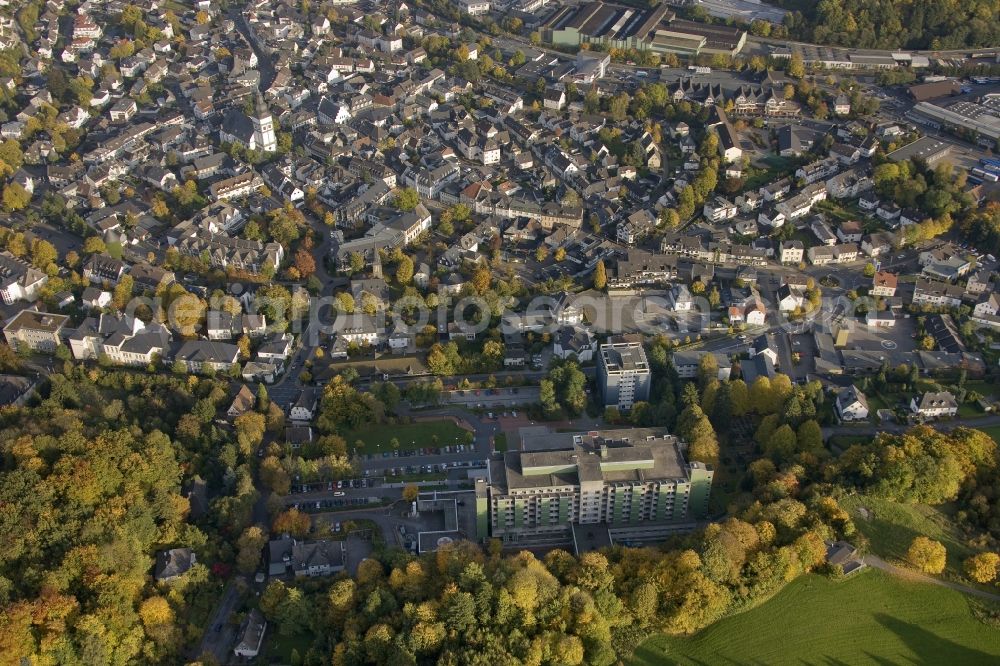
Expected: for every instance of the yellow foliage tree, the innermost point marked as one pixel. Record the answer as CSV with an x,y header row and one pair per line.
x,y
927,555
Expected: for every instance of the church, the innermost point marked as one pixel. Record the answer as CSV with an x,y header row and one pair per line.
x,y
252,132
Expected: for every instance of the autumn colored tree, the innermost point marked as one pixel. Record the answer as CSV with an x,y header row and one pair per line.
x,y
304,262
250,545
292,522
15,197
982,567
404,271
600,275
481,279
926,555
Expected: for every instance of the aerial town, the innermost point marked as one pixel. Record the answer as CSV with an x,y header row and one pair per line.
x,y
475,332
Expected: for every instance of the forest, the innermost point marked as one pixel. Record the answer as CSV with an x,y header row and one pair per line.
x,y
91,485
892,24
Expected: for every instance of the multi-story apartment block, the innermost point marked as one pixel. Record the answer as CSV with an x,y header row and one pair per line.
x,y
615,478
623,374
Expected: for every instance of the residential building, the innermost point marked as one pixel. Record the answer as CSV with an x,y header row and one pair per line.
x,y
883,284
852,405
990,305
934,404
937,294
102,269
574,341
559,482
202,355
305,405
686,363
623,374
791,251
305,558
174,563
243,402
719,209
38,331
19,281
473,7
789,298
820,255
251,635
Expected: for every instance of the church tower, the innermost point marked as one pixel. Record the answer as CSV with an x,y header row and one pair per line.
x,y
263,127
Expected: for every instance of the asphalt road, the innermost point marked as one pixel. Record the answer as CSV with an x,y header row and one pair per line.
x,y
218,643
945,425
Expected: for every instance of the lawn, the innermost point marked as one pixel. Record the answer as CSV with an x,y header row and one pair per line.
x,y
500,442
891,526
983,388
968,410
870,618
774,167
378,438
843,442
280,647
992,431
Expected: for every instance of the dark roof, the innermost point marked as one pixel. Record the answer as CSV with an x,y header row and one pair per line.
x,y
236,123
174,562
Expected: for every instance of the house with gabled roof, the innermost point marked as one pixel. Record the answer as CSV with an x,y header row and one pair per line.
x,y
852,405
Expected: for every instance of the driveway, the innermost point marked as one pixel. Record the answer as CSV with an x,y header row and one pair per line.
x,y
909,574
218,643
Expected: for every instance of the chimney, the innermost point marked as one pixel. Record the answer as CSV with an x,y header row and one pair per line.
x,y
604,451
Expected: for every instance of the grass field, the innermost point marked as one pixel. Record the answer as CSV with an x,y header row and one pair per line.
x,y
993,431
871,618
378,438
891,527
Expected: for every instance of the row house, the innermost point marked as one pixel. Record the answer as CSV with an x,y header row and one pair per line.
x,y
236,253
642,268
236,187
937,294
822,255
